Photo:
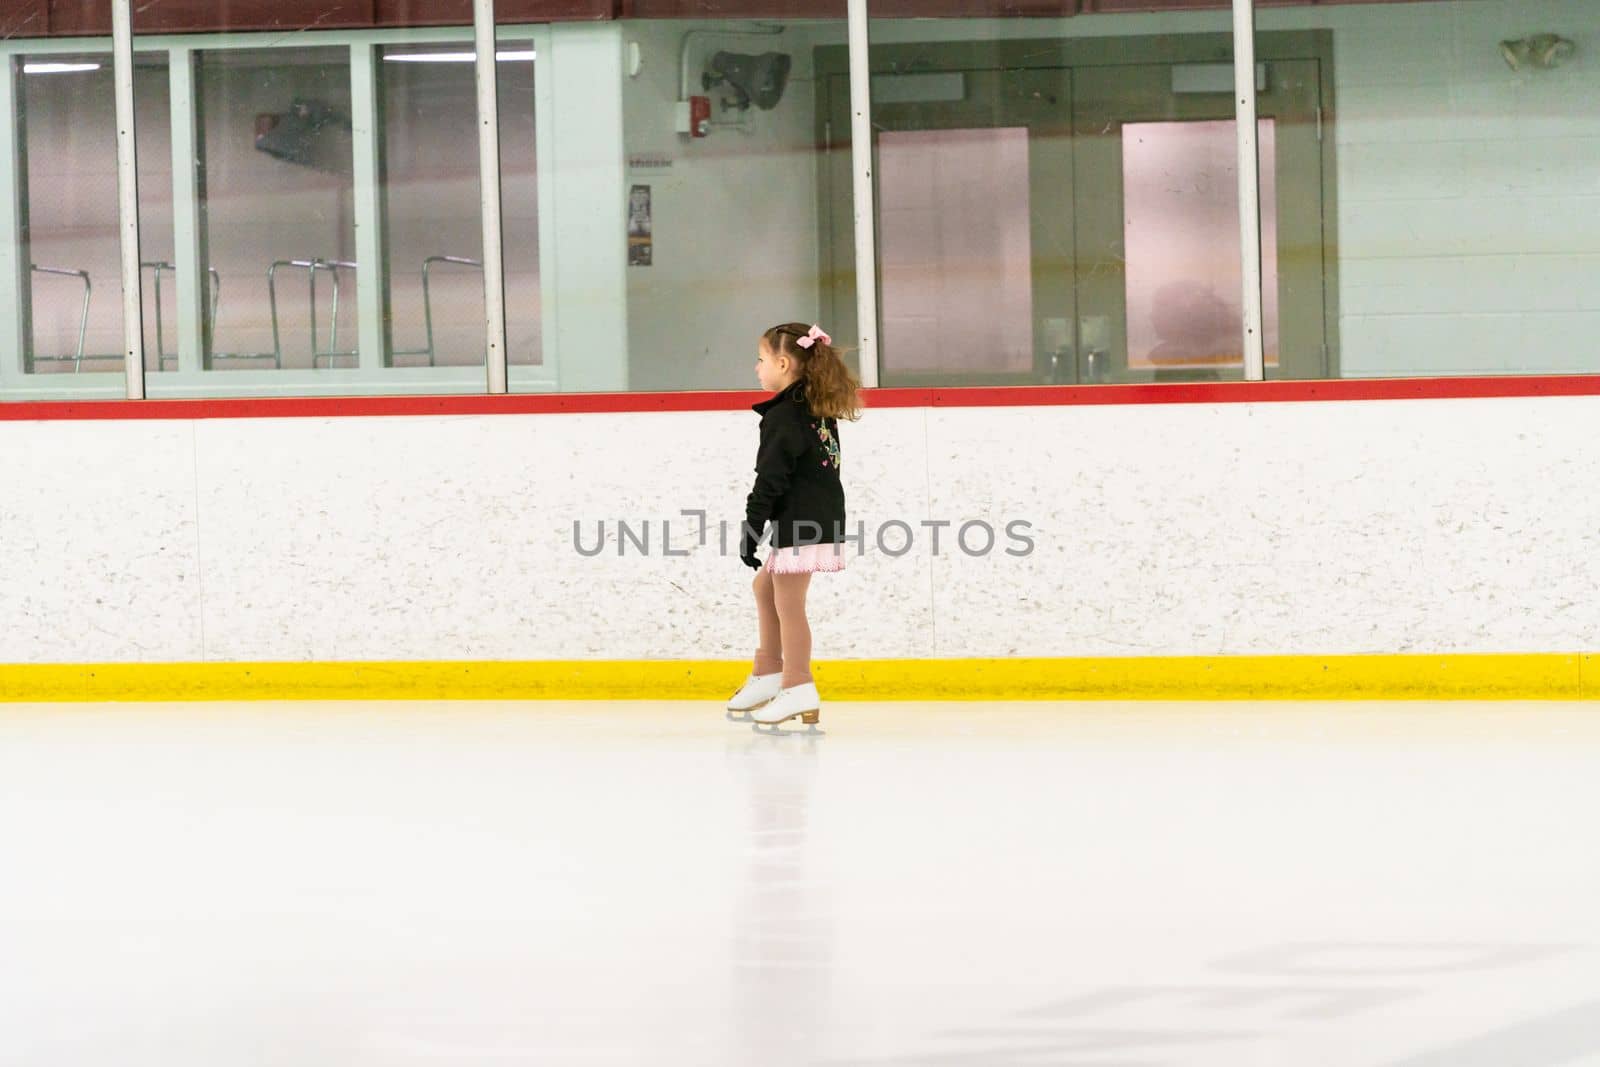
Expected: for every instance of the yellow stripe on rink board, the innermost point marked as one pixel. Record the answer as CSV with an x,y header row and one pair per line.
x,y
470,680
1444,677
1563,676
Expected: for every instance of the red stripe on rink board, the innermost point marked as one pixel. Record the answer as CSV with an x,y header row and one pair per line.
x,y
472,404
1332,389
1343,389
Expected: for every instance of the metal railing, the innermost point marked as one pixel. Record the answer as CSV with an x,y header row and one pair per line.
x,y
431,351
77,357
332,267
311,267
159,267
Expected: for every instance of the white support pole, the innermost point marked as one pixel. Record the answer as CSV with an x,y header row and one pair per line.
x,y
494,284
371,258
193,290
128,199
1244,83
863,198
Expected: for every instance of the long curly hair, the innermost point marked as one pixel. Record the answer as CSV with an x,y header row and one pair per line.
x,y
831,389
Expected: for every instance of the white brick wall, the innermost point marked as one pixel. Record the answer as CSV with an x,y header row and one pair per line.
x,y
1469,194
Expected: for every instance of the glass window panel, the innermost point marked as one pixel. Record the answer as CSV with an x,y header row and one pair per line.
x,y
1099,222
676,250
433,232
277,207
66,139
1465,141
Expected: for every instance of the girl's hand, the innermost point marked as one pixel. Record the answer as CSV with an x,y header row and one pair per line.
x,y
751,561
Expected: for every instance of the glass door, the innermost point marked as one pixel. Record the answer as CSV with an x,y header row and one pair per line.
x,y
1157,220
974,206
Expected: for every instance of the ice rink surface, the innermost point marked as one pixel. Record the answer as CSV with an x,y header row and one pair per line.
x,y
1092,885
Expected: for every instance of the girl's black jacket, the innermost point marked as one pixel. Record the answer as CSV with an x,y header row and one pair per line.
x,y
797,475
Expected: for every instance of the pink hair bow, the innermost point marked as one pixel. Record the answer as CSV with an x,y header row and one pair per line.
x,y
812,336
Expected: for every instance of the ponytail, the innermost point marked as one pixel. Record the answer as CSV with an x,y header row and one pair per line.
x,y
831,390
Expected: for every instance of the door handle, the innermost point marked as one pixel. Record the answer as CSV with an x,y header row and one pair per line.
x,y
1056,362
1096,362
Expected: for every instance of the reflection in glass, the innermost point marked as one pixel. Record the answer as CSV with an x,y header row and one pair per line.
x,y
1181,230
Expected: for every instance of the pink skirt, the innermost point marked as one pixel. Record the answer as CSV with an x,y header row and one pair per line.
x,y
803,559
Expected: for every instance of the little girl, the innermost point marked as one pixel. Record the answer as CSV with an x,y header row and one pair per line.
x,y
798,490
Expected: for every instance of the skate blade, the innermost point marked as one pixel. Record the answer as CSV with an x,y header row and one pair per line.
x,y
809,719
744,716
811,730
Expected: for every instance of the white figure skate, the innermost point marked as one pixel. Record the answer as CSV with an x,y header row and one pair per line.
x,y
758,689
797,702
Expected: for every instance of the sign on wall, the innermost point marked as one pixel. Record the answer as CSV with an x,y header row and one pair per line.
x,y
640,241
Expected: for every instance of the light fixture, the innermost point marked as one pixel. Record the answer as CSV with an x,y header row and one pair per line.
x,y
58,68
1549,49
753,79
1542,50
457,57
312,133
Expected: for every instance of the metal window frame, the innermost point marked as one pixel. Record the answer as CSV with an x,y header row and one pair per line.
x,y
371,342
14,265
187,253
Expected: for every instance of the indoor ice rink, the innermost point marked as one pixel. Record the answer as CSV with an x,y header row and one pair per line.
x,y
1385,884
1208,388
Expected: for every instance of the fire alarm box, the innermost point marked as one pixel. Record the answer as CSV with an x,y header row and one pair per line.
x,y
694,116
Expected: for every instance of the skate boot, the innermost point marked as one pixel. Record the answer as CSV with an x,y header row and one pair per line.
x,y
757,690
797,702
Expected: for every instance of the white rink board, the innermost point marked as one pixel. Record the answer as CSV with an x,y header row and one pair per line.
x,y
1265,528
